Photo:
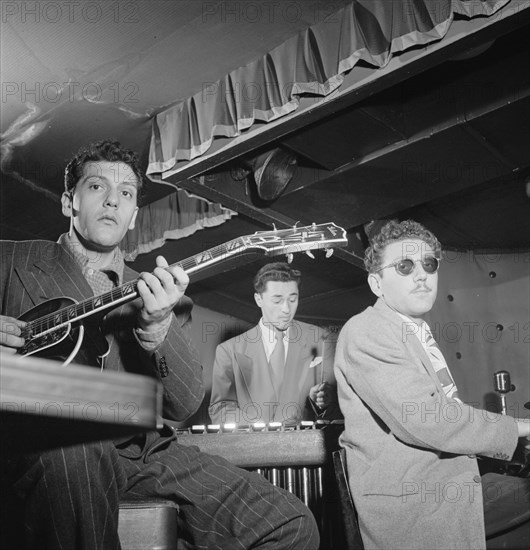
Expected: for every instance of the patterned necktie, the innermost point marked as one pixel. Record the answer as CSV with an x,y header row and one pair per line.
x,y
277,359
440,367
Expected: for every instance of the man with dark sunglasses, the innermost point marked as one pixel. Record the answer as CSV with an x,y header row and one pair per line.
x,y
410,441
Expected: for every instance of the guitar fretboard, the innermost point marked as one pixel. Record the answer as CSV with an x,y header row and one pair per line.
x,y
274,242
127,291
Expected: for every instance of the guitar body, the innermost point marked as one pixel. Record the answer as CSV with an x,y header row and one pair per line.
x,y
80,340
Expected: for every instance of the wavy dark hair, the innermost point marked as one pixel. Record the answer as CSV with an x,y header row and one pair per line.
x,y
276,271
106,150
395,231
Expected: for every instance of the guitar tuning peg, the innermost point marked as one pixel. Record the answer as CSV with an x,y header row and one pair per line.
x,y
308,252
274,227
289,258
295,224
313,226
329,252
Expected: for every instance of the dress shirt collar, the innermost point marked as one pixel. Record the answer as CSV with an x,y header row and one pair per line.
x,y
268,337
82,257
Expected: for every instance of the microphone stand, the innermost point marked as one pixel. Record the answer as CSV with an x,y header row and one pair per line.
x,y
503,386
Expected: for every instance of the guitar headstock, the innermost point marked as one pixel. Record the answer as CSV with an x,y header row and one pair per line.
x,y
298,239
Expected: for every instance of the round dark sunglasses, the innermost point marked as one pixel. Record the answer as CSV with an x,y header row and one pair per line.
x,y
406,266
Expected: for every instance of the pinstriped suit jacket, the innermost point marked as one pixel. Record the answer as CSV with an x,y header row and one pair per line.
x,y
410,450
32,272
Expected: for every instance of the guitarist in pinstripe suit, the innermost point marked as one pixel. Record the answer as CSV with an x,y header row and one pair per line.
x,y
71,495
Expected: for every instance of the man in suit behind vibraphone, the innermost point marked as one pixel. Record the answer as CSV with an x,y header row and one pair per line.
x,y
281,370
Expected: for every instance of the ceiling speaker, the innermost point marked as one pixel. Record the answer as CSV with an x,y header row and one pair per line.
x,y
273,170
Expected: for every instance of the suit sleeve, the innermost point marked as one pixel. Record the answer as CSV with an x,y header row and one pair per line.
x,y
175,362
223,402
178,367
393,383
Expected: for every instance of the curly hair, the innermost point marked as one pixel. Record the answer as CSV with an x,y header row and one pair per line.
x,y
394,231
106,150
276,271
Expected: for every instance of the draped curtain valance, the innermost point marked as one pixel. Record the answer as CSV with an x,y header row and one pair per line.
x,y
312,62
173,217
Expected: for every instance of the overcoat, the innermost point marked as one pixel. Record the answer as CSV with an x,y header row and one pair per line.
x,y
410,450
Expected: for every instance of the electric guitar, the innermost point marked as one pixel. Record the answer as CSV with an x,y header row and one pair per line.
x,y
59,327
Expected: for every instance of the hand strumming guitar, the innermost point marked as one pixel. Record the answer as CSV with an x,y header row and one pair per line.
x,y
10,330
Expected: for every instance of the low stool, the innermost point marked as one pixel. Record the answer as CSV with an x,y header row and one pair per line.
x,y
148,524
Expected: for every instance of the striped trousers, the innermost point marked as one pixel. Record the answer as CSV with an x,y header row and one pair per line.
x,y
71,498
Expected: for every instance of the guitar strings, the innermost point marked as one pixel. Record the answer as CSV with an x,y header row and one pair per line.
x,y
70,313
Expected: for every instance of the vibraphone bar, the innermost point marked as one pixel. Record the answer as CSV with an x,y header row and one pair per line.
x,y
296,457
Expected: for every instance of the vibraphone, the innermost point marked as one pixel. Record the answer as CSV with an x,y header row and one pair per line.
x,y
295,457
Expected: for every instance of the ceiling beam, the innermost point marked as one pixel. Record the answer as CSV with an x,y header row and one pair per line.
x,y
220,187
462,120
462,36
351,92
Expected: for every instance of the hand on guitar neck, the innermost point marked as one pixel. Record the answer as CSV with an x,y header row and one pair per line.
x,y
160,292
52,330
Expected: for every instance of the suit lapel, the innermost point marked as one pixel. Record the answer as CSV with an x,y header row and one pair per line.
x,y
255,369
427,364
412,341
294,374
46,277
